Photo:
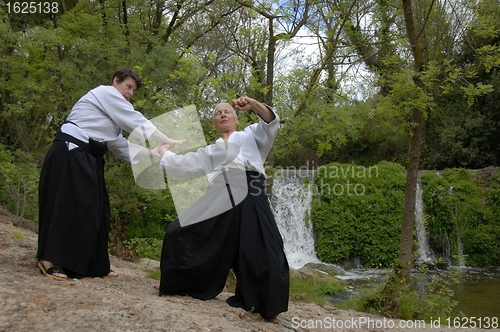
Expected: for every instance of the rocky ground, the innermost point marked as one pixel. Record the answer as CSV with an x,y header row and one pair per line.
x,y
29,301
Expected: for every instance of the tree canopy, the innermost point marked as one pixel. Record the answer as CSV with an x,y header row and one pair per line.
x,y
336,71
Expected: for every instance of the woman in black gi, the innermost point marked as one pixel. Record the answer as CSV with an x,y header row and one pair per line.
x,y
232,224
74,214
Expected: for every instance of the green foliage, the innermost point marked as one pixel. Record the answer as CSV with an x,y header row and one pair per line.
x,y
154,274
328,287
464,129
19,183
405,96
423,297
382,137
145,247
137,212
357,212
381,299
341,131
438,204
49,67
357,302
314,289
18,235
492,194
185,56
460,206
435,302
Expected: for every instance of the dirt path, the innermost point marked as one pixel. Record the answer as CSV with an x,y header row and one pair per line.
x,y
30,301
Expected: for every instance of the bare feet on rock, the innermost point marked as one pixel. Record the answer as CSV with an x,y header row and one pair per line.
x,y
112,274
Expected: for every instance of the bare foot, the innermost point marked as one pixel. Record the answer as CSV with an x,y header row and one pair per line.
x,y
156,286
113,274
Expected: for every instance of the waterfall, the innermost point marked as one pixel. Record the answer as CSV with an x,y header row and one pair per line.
x,y
460,248
447,250
291,202
425,252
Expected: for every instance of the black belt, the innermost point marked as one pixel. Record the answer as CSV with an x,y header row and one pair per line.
x,y
98,149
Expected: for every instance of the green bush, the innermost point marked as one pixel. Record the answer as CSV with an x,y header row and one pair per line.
x,y
481,245
137,212
357,212
364,222
425,297
434,302
438,204
146,247
19,178
460,206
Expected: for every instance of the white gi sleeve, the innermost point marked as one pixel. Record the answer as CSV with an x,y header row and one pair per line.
x,y
124,115
201,162
127,151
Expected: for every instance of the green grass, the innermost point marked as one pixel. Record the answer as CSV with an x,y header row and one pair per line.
x,y
314,290
18,235
153,274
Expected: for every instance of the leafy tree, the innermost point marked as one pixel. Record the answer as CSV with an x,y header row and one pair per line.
x,y
318,114
465,130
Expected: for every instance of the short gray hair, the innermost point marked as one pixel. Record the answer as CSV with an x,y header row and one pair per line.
x,y
220,104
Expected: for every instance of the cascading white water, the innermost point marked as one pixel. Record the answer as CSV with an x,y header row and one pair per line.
x,y
291,202
460,248
425,252
447,250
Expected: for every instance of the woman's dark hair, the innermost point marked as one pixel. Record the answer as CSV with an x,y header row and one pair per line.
x,y
123,73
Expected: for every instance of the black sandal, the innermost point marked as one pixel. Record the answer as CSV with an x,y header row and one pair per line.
x,y
51,270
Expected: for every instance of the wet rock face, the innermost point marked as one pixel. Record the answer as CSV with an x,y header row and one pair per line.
x,y
319,270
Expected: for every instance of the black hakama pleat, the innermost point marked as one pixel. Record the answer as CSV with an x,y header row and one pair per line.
x,y
74,214
196,258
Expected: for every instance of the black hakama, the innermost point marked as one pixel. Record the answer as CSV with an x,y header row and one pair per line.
x,y
74,214
196,258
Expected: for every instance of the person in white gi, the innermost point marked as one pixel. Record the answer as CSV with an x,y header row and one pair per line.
x,y
232,224
74,214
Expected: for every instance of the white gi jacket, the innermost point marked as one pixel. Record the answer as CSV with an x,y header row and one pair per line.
x,y
102,114
246,150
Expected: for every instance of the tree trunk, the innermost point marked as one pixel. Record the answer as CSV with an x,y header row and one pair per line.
x,y
271,52
406,244
391,294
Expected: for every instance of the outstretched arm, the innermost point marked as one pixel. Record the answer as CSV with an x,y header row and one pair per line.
x,y
247,104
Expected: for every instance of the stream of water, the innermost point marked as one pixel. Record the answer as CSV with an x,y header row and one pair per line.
x,y
478,289
478,292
